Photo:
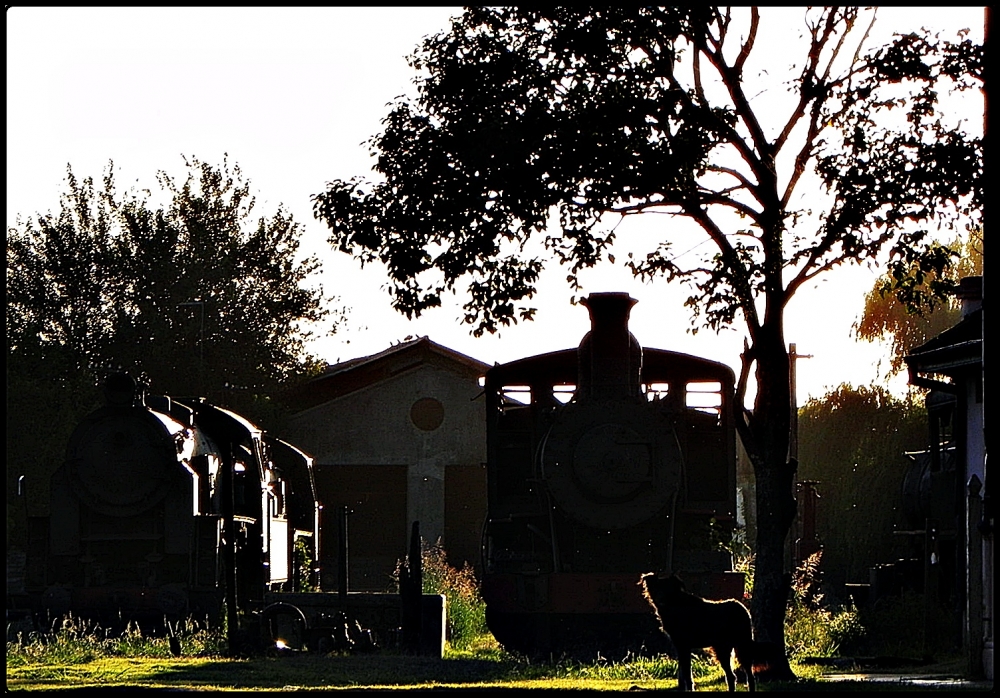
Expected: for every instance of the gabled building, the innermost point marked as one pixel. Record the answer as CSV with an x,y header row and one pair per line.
x,y
397,437
953,494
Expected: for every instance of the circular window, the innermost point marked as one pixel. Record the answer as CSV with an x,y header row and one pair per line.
x,y
427,413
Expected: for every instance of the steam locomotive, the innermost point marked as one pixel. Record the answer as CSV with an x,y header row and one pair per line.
x,y
604,462
166,508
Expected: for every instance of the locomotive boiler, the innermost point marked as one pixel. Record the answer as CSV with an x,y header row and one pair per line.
x,y
169,507
604,462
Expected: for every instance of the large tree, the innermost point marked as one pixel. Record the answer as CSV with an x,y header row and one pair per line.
x,y
197,296
559,123
197,293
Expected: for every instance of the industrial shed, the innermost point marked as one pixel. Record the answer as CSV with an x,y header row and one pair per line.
x,y
397,437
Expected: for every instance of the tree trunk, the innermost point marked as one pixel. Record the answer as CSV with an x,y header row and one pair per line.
x,y
776,506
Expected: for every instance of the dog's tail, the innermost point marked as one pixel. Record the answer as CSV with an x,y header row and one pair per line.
x,y
762,657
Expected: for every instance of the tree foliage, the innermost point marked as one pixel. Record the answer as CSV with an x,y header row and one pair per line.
x,y
197,296
587,113
886,317
559,123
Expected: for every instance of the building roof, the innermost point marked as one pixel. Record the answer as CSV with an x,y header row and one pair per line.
x,y
354,374
959,347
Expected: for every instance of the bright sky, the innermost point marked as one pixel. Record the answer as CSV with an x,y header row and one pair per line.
x,y
291,94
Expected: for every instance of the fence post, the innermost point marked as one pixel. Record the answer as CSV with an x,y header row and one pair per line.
x,y
973,625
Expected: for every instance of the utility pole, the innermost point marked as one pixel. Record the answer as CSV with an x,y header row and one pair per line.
x,y
802,542
793,437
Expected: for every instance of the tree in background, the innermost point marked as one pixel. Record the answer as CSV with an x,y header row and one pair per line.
x,y
560,123
196,295
199,297
853,441
886,317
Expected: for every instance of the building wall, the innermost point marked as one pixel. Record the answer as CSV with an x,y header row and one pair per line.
x,y
464,513
408,448
375,498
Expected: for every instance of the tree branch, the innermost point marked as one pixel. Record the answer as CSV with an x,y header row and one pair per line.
x,y
738,273
748,44
761,162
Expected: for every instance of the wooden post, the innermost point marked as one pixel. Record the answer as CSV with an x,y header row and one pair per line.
x,y
973,625
411,583
342,559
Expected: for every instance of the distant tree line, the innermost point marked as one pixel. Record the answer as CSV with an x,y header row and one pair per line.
x,y
853,442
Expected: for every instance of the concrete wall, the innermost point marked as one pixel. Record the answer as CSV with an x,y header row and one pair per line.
x,y
424,425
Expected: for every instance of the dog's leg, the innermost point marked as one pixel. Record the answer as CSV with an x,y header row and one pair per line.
x,y
685,679
745,658
724,655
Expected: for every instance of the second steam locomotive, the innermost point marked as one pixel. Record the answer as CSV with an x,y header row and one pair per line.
x,y
170,507
604,462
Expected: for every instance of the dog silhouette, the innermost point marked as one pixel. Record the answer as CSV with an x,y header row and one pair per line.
x,y
693,623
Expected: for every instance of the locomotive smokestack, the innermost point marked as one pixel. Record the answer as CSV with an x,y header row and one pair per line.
x,y
609,357
119,390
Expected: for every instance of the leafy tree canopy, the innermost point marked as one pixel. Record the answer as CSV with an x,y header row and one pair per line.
x,y
595,115
196,294
887,317
559,123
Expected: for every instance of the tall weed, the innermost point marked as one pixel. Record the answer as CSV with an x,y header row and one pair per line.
x,y
73,640
812,627
466,610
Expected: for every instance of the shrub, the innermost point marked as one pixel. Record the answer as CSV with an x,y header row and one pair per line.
x,y
812,628
303,565
466,610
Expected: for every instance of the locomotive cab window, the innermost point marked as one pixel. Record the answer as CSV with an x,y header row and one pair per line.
x,y
704,396
563,393
514,396
656,391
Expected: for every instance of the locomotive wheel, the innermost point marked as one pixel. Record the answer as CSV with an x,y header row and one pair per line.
x,y
285,623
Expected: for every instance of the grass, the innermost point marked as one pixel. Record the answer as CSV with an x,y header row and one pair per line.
x,y
310,672
68,659
77,654
467,669
74,653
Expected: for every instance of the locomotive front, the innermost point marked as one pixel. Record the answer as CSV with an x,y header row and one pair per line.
x,y
164,507
121,520
604,462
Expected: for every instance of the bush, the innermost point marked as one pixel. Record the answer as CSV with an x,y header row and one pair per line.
x,y
303,565
466,610
811,627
